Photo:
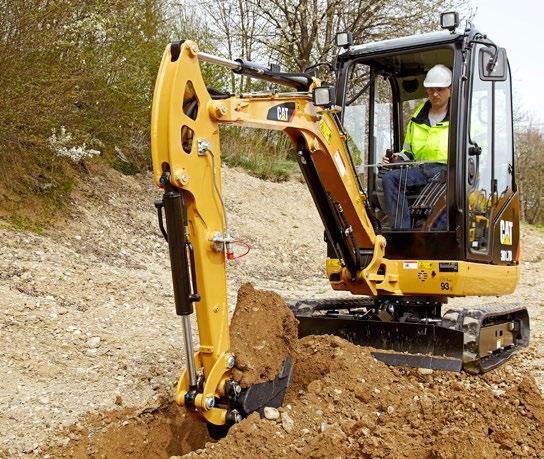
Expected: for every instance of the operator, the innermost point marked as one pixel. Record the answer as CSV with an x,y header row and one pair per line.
x,y
426,140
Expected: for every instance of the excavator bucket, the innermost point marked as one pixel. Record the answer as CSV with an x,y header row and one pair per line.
x,y
472,340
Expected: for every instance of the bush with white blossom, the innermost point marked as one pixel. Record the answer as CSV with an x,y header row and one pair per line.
x,y
59,144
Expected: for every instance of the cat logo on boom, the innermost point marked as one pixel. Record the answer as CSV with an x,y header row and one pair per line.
x,y
282,112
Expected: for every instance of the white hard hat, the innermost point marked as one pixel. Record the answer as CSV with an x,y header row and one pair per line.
x,y
438,77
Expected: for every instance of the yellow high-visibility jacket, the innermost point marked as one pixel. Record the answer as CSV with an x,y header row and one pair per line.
x,y
424,142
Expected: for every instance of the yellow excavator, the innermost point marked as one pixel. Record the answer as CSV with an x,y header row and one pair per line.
x,y
400,279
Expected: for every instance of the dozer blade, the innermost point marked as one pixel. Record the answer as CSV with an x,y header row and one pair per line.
x,y
474,340
410,344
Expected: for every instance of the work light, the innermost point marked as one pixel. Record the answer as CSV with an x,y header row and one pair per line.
x,y
324,96
449,20
344,39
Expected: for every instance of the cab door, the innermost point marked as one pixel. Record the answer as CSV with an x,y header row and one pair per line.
x,y
491,203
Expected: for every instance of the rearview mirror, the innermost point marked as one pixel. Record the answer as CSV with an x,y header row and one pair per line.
x,y
493,64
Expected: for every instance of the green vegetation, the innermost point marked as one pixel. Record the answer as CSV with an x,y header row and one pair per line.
x,y
265,169
77,83
265,154
77,78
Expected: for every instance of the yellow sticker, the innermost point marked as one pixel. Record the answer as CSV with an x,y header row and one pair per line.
x,y
326,131
333,263
425,265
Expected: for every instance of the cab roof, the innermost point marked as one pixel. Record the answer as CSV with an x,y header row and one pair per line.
x,y
399,44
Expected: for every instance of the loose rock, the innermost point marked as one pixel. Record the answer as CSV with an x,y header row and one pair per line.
x,y
287,423
271,413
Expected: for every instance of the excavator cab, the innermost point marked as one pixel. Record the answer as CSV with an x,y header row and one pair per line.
x,y
467,205
465,217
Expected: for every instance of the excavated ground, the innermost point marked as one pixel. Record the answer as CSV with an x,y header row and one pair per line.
x,y
91,347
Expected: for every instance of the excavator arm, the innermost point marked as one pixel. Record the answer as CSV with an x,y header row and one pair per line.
x,y
187,165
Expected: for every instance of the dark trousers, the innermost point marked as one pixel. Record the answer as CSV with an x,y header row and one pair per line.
x,y
394,190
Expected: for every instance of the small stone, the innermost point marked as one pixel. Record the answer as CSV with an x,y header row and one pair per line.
x,y
271,413
91,352
337,391
305,431
315,387
425,371
93,342
119,400
390,409
287,423
319,413
498,392
323,427
362,394
458,385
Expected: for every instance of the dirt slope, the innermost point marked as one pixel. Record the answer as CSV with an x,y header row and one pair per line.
x,y
89,338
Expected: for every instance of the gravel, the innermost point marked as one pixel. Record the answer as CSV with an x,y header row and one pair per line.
x,y
89,325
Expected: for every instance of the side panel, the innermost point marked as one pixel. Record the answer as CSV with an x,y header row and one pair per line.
x,y
505,237
436,278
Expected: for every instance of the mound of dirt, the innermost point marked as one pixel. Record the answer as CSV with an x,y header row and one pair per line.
x,y
263,332
344,403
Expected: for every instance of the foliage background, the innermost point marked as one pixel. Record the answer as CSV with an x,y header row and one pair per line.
x,y
87,69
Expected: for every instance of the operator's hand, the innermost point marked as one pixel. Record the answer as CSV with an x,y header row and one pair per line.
x,y
389,159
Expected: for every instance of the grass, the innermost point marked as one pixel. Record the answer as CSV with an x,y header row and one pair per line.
x,y
125,167
22,223
267,155
263,168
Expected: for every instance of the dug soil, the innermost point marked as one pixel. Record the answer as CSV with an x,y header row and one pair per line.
x,y
262,333
341,403
344,403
